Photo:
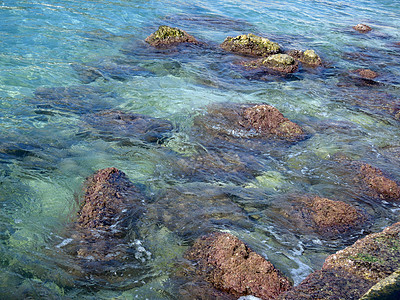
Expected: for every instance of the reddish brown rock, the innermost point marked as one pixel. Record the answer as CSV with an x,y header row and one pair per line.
x,y
328,285
231,266
377,184
167,36
111,203
362,28
366,73
266,119
373,257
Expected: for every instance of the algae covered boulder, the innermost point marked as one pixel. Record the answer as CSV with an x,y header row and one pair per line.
x,y
230,265
373,257
308,57
167,36
280,62
250,44
386,289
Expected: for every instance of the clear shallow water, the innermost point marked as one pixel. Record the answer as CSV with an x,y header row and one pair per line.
x,y
47,150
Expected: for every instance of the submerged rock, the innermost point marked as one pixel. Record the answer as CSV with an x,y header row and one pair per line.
x,y
231,266
250,44
111,205
377,185
366,73
308,57
373,257
196,209
362,28
116,125
167,36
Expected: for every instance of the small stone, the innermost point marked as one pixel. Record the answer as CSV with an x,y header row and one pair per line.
x,y
362,28
308,57
367,73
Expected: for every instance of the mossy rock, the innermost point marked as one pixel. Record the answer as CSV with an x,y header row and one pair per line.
x,y
250,44
282,63
308,57
167,36
386,289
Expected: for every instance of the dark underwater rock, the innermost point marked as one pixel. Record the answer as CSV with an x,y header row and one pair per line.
x,y
373,257
308,57
231,266
250,44
196,209
167,36
362,28
117,125
75,99
110,206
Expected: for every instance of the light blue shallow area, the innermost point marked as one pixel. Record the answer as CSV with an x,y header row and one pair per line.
x,y
47,149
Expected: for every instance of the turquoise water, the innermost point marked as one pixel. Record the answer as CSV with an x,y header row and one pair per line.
x,y
47,147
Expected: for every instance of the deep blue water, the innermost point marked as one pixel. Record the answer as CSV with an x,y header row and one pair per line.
x,y
47,148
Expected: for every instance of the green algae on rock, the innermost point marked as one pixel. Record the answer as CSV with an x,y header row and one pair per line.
x,y
250,44
373,257
308,57
230,265
386,289
167,36
282,63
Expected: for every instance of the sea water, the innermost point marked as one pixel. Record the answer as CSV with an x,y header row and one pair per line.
x,y
47,150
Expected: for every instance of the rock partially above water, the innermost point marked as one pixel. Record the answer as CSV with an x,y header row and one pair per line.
x,y
250,44
167,36
373,257
116,125
230,265
308,57
266,119
362,28
281,62
110,206
377,184
366,73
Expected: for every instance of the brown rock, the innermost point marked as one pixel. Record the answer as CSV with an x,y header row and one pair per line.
x,y
327,285
378,185
167,36
266,119
362,28
373,257
366,73
232,266
110,205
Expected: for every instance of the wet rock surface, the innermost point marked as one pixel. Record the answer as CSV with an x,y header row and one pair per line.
x,y
250,44
247,124
366,73
167,36
231,266
327,285
119,125
376,184
373,257
281,63
362,28
111,205
308,57
386,289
